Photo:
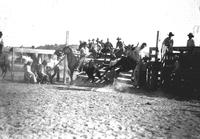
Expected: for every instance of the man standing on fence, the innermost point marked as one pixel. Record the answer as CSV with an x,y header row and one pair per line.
x,y
167,44
190,43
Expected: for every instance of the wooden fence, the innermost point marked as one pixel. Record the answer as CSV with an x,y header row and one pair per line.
x,y
25,51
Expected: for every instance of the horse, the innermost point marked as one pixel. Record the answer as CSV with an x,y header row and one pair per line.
x,y
71,62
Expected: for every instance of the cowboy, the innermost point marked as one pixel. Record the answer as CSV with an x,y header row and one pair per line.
x,y
119,48
190,41
89,44
92,47
119,43
1,43
107,47
167,44
137,56
80,45
98,47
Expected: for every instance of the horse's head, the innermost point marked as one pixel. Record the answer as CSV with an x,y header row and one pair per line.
x,y
67,50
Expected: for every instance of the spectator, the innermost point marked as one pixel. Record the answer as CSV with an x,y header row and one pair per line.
x,y
42,76
83,54
28,74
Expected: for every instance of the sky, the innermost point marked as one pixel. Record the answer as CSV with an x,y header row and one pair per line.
x,y
40,22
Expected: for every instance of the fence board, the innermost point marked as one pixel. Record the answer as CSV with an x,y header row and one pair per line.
x,y
37,51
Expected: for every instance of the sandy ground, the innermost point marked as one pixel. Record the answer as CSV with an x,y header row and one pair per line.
x,y
78,111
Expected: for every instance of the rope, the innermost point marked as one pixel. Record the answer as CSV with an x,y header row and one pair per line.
x,y
58,62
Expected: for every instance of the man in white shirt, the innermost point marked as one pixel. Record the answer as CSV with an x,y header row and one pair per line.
x,y
138,57
83,54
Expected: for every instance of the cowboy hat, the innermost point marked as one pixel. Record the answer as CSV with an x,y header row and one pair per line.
x,y
118,38
190,35
170,34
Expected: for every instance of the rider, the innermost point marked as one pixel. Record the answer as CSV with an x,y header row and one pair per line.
x,y
1,43
167,44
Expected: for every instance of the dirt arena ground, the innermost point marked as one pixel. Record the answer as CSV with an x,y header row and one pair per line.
x,y
61,111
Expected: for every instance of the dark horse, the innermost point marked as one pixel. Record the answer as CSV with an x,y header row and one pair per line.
x,y
72,63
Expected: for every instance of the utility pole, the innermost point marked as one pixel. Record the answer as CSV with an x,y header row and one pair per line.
x,y
157,40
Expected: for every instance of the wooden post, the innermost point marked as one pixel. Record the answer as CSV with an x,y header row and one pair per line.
x,y
157,40
65,59
67,38
65,68
12,74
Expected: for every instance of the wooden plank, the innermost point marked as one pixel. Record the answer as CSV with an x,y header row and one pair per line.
x,y
65,69
12,74
65,59
37,51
